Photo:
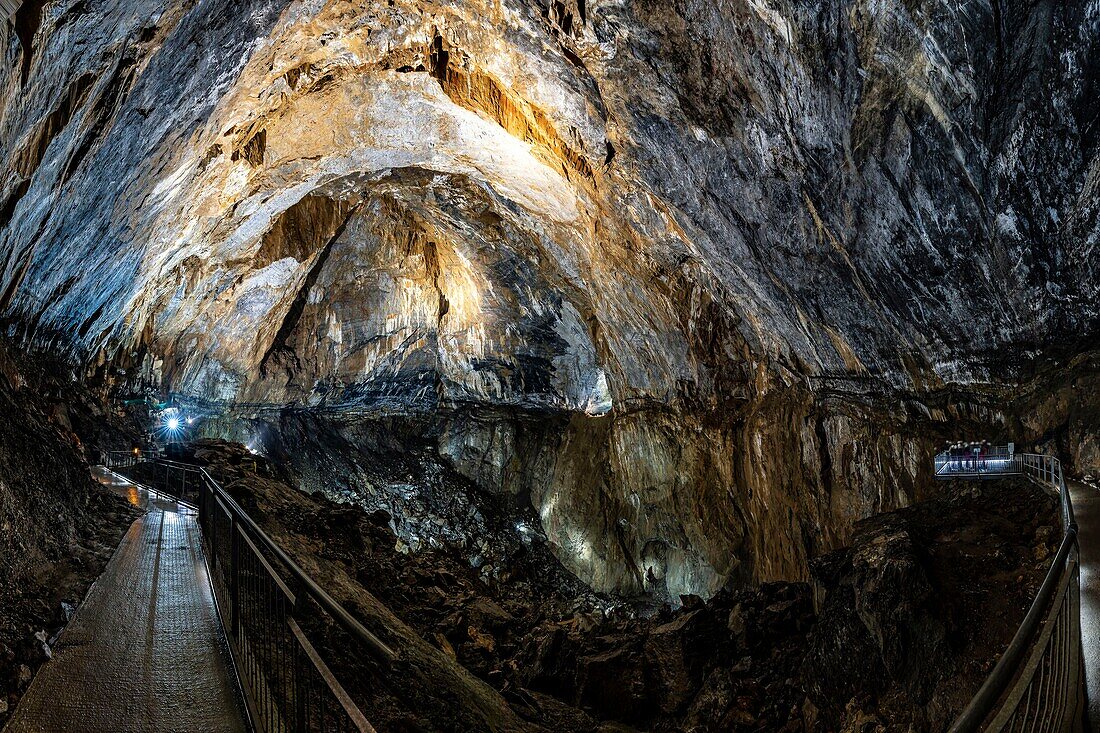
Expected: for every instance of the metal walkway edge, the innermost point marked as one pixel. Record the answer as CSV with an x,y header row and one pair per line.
x,y
1086,504
145,651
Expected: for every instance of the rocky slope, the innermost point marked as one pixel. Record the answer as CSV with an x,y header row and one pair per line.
x,y
895,632
56,530
703,283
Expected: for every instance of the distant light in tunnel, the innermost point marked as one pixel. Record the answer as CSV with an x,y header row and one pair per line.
x,y
172,427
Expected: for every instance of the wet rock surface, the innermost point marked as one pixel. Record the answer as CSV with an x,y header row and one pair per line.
x,y
926,599
895,632
684,516
688,289
1060,410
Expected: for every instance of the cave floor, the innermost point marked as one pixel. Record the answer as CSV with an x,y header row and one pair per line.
x,y
145,651
1086,509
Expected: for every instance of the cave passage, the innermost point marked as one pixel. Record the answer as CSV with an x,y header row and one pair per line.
x,y
530,366
1048,661
150,635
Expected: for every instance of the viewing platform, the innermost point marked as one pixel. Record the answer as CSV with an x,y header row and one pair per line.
x,y
979,460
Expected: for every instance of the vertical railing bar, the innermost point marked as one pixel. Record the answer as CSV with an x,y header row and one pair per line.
x,y
1066,658
235,577
1035,698
1055,670
1060,679
1054,654
1027,708
264,630
1063,666
1038,684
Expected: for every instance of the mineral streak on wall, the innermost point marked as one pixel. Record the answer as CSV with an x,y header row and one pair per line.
x,y
687,274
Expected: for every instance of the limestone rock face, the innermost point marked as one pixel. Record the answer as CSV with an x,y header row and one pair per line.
x,y
685,273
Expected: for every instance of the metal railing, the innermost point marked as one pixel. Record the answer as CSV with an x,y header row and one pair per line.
x,y
991,461
164,477
269,606
1038,683
122,458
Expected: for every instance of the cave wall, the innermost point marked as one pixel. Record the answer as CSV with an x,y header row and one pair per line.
x,y
44,486
710,260
652,501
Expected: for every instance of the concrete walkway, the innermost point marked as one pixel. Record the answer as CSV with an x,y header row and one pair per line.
x,y
1086,509
145,651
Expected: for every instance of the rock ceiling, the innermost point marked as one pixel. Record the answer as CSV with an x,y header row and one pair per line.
x,y
661,212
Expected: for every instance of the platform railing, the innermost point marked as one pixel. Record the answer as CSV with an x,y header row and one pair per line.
x,y
1038,683
992,461
268,606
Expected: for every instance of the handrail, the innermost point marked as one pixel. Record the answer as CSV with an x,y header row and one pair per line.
x,y
997,685
327,602
990,461
260,607
350,623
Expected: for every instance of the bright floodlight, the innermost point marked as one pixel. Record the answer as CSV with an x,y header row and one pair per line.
x,y
173,423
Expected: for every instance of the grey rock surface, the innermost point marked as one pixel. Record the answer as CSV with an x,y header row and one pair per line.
x,y
709,259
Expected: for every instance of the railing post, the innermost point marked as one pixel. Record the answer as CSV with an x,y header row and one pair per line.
x,y
301,692
235,577
213,531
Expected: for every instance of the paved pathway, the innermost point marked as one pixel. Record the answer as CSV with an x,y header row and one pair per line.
x,y
145,652
1086,509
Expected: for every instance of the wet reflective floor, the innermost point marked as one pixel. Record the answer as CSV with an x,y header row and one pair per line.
x,y
136,495
145,651
1086,510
